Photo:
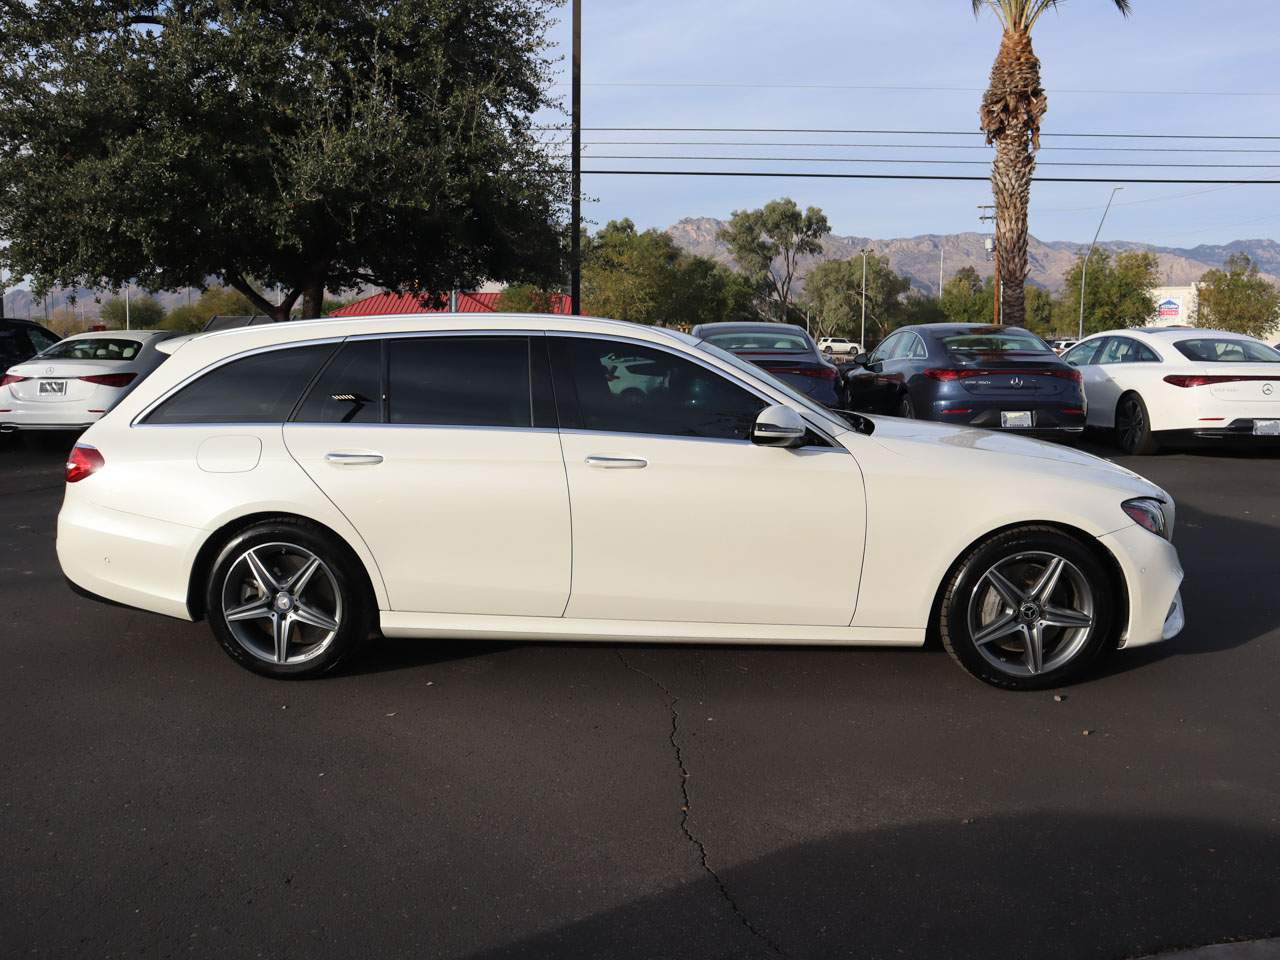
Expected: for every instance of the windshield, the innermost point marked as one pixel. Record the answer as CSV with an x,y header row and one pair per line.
x,y
760,341
92,348
996,343
1227,350
750,368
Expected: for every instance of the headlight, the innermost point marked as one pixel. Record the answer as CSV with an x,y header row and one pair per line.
x,y
1147,512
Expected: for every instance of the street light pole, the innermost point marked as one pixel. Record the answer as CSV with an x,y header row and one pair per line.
x,y
126,305
1084,270
575,201
862,340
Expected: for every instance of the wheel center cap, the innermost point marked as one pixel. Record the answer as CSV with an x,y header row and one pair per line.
x,y
1029,612
283,601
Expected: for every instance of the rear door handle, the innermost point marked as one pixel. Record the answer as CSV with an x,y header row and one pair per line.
x,y
353,459
617,463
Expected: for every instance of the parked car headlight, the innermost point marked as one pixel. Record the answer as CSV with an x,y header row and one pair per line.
x,y
1149,513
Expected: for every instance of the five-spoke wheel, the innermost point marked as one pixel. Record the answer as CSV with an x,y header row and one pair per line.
x,y
1030,608
285,600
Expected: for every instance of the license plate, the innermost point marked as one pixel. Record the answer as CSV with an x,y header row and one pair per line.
x,y
1266,428
1015,418
52,388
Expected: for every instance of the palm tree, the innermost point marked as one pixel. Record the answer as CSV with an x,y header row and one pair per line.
x,y
1010,115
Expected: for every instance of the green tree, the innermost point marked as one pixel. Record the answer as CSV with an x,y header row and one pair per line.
x,y
1117,294
1012,108
144,312
966,298
315,145
214,302
526,298
1236,298
644,277
833,290
767,245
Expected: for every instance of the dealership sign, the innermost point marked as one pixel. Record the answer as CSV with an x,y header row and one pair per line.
x,y
1170,309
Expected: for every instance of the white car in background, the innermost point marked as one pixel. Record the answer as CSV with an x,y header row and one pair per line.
x,y
74,382
1157,385
302,484
843,345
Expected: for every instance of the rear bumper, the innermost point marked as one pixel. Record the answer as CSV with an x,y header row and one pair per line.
x,y
1239,429
125,558
1153,578
21,415
1048,419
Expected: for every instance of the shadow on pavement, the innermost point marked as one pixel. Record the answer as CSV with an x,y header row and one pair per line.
x,y
1042,885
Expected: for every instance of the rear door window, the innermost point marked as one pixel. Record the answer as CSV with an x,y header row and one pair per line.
x,y
349,390
459,381
260,388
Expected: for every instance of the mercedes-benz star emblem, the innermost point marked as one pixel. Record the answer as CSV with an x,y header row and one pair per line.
x,y
1016,383
1268,389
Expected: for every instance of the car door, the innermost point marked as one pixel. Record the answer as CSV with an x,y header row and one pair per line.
x,y
678,516
442,452
864,385
1084,357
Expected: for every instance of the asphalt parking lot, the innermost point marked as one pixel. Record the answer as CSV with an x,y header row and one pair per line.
x,y
539,800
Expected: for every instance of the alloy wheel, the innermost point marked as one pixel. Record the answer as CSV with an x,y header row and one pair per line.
x,y
1031,613
281,602
1132,424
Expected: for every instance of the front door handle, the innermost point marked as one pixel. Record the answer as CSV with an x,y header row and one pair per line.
x,y
353,459
617,463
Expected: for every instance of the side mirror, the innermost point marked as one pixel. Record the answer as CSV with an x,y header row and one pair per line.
x,y
861,359
778,426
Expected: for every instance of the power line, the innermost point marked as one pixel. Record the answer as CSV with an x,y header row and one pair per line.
x,y
921,133
907,176
913,146
913,88
978,163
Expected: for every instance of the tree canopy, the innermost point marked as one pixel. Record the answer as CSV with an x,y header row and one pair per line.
x,y
833,289
143,312
318,144
1238,299
767,245
1117,292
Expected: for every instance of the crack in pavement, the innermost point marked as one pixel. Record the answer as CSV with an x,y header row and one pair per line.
x,y
685,805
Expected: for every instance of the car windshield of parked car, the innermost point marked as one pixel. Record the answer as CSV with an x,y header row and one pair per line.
x,y
760,374
1226,350
92,348
760,342
996,343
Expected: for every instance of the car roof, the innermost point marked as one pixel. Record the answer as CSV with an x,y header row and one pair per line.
x,y
1166,333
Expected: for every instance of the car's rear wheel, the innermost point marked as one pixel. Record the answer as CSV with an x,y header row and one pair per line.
x,y
1029,608
906,409
285,600
1133,427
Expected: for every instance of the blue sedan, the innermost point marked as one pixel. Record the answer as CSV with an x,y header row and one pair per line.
x,y
1000,378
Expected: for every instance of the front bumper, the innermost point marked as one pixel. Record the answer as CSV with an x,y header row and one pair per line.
x,y
1153,578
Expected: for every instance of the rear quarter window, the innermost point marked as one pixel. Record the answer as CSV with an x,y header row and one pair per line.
x,y
259,388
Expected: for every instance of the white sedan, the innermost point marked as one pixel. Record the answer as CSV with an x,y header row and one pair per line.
x,y
1159,385
301,485
72,383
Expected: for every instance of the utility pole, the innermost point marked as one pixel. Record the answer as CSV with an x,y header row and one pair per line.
x,y
862,340
1084,269
997,300
942,256
575,201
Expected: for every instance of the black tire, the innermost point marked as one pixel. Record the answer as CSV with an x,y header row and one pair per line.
x,y
968,592
906,409
1133,427
828,351
337,590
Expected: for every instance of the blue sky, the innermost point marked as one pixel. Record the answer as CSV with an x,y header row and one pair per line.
x,y
1225,53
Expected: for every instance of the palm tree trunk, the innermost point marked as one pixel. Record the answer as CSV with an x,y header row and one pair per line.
x,y
1010,115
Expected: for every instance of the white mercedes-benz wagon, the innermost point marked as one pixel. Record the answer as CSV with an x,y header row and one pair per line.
x,y
303,485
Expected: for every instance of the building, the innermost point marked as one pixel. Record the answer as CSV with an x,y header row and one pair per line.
x,y
1175,306
457,301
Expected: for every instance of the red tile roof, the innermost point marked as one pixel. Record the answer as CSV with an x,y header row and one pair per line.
x,y
385,303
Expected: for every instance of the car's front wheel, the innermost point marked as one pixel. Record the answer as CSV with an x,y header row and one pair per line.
x,y
285,600
1029,608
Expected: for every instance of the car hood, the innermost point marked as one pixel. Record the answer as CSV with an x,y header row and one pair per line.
x,y
1020,453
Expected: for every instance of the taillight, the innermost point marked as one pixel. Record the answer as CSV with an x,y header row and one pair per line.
x,y
84,460
12,378
110,379
1200,380
947,373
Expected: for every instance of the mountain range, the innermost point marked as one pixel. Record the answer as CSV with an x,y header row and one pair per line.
x,y
919,258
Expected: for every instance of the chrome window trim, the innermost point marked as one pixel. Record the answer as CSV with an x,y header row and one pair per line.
x,y
406,426
146,411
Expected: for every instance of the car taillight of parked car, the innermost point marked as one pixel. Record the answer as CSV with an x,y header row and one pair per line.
x,y
110,379
11,378
1199,380
83,462
947,373
818,373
